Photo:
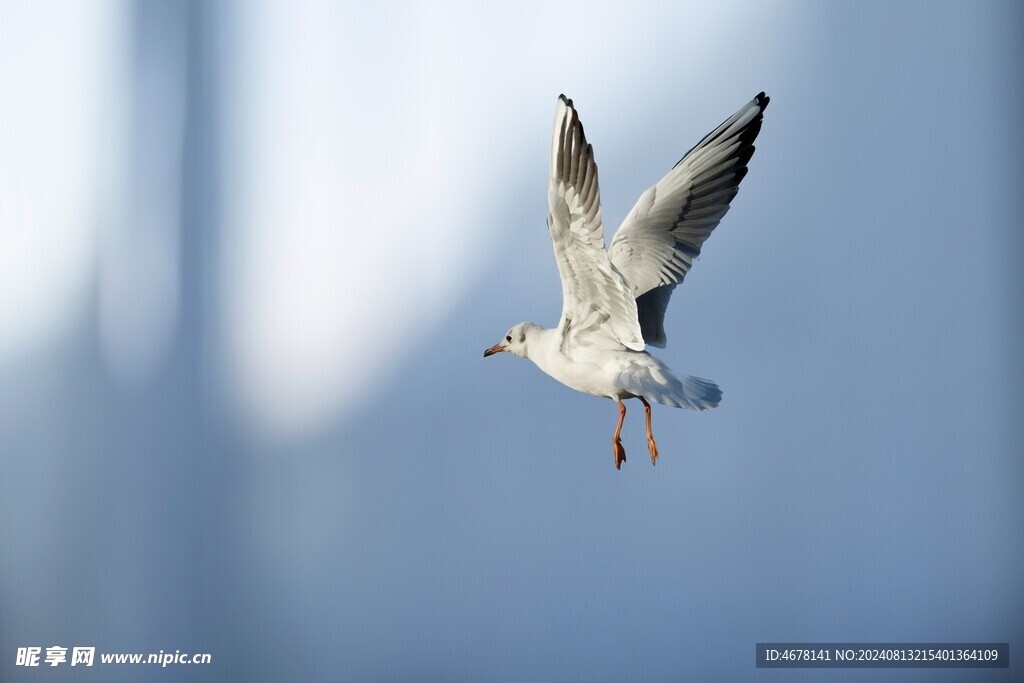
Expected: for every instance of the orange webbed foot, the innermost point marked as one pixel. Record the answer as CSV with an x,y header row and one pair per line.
x,y
620,454
651,446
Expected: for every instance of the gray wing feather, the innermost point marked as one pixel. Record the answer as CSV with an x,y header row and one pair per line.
x,y
596,300
662,236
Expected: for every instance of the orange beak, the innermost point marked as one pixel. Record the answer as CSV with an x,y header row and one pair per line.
x,y
497,348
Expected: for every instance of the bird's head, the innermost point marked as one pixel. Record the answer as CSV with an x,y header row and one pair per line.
x,y
515,341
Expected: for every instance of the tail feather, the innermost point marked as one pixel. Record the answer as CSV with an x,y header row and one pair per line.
x,y
655,382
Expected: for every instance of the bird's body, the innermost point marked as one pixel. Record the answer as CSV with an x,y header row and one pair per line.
x,y
589,373
614,300
586,371
614,373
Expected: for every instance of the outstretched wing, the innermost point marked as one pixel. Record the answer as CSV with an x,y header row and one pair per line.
x,y
595,298
663,234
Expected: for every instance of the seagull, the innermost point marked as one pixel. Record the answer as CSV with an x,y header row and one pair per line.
x,y
614,299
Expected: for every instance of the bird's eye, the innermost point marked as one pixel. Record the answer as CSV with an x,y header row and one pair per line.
x,y
508,338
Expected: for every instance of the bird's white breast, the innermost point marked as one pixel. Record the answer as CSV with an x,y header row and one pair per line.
x,y
591,373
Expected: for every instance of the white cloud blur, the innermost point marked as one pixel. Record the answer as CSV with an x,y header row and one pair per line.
x,y
56,63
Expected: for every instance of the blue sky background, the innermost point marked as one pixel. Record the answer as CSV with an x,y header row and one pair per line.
x,y
243,408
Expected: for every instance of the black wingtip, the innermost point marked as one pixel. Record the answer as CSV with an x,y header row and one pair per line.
x,y
762,100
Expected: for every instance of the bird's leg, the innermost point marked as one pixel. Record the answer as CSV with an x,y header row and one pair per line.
x,y
651,446
620,452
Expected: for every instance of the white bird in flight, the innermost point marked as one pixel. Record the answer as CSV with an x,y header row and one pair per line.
x,y
614,300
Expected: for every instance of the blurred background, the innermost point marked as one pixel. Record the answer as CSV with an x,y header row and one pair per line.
x,y
251,254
